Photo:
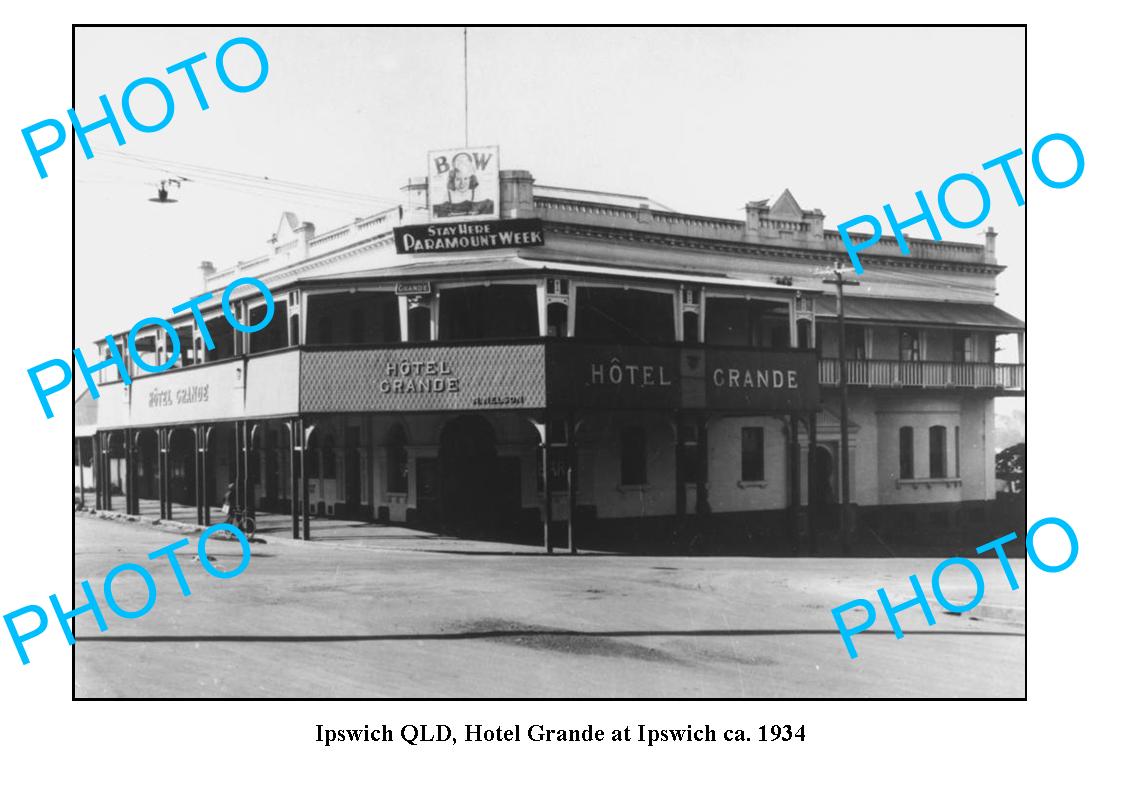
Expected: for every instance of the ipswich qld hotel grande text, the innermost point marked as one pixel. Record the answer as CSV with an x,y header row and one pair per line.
x,y
581,369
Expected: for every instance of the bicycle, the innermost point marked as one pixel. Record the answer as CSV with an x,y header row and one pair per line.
x,y
243,521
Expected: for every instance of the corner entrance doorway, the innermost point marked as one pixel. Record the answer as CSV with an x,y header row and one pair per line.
x,y
474,486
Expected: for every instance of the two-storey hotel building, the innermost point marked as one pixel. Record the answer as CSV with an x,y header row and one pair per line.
x,y
579,368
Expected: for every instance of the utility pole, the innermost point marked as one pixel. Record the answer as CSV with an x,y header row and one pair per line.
x,y
843,415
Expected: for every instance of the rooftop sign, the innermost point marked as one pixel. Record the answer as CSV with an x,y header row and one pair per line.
x,y
464,183
468,236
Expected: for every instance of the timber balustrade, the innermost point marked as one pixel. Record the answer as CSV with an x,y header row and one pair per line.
x,y
895,373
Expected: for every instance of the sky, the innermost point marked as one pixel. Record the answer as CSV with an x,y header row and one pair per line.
x,y
702,120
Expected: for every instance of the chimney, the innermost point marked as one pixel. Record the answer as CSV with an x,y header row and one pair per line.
x,y
414,208
208,271
753,212
516,194
991,257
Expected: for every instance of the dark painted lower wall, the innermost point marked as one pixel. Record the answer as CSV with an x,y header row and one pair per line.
x,y
935,529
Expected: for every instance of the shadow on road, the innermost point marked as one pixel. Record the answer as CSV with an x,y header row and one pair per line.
x,y
492,634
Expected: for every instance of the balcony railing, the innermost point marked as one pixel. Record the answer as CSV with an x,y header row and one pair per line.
x,y
894,373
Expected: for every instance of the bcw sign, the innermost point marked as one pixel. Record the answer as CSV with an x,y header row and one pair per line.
x,y
464,182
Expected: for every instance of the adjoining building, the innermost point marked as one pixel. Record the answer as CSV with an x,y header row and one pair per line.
x,y
500,358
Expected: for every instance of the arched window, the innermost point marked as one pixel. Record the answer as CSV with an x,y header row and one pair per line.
x,y
557,319
752,453
905,448
938,452
397,461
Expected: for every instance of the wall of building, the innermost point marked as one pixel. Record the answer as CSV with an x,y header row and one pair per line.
x,y
920,412
727,492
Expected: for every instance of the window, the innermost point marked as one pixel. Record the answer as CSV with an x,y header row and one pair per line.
x,y
855,345
957,451
557,319
752,453
397,461
937,452
633,456
910,345
904,445
963,347
803,331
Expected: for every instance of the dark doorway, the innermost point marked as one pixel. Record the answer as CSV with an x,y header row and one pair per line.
x,y
272,475
181,467
221,453
351,472
476,489
147,465
428,492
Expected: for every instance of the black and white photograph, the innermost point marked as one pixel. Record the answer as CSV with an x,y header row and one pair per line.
x,y
541,363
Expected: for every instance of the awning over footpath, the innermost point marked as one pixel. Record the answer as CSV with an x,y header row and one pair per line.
x,y
518,265
85,415
862,309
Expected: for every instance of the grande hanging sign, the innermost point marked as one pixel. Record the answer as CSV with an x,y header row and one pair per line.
x,y
468,236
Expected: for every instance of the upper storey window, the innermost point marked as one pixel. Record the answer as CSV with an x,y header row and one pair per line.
x,y
963,347
910,345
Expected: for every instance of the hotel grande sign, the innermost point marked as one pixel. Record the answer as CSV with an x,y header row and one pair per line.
x,y
642,377
424,379
470,378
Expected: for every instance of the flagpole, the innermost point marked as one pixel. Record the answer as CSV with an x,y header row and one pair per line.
x,y
465,86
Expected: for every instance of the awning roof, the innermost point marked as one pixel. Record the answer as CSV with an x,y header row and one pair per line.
x,y
513,265
863,309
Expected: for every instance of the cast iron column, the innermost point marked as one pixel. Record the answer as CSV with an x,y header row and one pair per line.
x,y
548,498
812,495
571,479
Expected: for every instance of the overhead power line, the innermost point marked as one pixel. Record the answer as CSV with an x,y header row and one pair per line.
x,y
209,174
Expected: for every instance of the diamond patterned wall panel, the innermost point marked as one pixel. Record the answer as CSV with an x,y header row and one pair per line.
x,y
424,379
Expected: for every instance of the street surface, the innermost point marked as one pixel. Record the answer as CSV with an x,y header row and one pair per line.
x,y
333,619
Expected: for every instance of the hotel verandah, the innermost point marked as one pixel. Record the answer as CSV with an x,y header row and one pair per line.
x,y
643,378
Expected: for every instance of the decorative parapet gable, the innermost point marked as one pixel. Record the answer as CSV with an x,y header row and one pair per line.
x,y
783,223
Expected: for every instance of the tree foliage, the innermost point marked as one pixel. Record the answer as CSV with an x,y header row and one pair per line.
x,y
1010,465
